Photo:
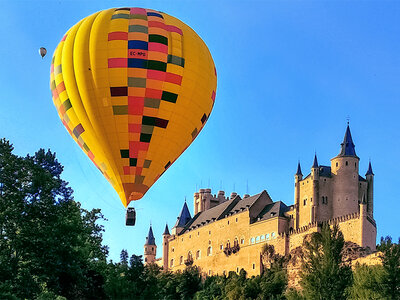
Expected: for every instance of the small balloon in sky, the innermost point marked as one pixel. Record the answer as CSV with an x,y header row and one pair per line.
x,y
133,87
42,52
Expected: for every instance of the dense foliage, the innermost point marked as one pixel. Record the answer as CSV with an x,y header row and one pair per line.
x,y
51,248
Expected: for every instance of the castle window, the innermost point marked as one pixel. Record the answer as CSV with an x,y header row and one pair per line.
x,y
181,260
173,250
209,272
228,222
257,239
236,220
145,259
190,236
152,248
171,264
198,233
209,232
267,236
254,266
273,235
209,251
209,242
355,165
252,240
305,202
262,237
198,254
347,163
337,164
242,241
237,269
221,247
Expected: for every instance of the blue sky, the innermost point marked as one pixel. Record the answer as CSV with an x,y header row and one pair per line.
x,y
290,73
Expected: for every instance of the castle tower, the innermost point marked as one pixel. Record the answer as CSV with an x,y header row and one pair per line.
x,y
165,236
370,190
150,248
297,178
182,220
315,190
345,168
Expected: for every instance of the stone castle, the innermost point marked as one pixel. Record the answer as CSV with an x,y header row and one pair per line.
x,y
228,233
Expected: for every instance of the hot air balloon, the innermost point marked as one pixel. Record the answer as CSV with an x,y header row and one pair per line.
x,y
133,87
42,52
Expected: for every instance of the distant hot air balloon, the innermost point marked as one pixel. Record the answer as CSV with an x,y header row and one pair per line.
x,y
133,87
42,52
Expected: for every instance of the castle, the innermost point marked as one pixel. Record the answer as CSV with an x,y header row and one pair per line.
x,y
228,233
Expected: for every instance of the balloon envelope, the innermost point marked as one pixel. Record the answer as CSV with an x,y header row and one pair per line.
x,y
42,52
133,87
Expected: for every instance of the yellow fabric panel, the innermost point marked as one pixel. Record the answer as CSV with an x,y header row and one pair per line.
x,y
134,87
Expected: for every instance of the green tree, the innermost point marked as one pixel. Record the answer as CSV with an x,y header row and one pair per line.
x,y
323,274
391,265
46,238
367,282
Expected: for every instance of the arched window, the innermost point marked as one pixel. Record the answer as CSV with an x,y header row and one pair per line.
x,y
198,254
273,235
242,241
209,251
171,263
267,236
221,247
262,238
257,239
181,260
252,240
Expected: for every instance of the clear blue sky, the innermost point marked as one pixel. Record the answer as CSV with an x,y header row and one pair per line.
x,y
289,75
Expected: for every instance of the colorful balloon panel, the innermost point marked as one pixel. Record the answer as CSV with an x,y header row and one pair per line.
x,y
133,87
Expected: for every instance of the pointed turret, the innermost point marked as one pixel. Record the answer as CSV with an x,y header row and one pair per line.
x,y
166,230
369,172
184,216
347,146
315,163
182,220
150,248
150,240
298,173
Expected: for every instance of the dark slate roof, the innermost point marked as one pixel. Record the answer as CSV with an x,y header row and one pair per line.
x,y
369,172
315,163
348,147
222,210
299,169
360,178
211,214
150,240
276,209
184,217
325,171
166,230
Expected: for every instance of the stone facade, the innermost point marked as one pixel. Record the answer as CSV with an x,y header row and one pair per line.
x,y
228,233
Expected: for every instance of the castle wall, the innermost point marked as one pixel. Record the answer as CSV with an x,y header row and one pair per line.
x,y
324,209
306,191
345,185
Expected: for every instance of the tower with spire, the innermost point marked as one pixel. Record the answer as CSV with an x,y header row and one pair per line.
x,y
165,257
150,248
336,191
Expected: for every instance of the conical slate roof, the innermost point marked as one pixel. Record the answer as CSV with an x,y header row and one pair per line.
x,y
299,169
184,216
166,230
150,240
348,147
369,172
315,163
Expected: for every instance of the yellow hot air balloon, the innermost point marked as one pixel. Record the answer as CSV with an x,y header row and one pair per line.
x,y
133,87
